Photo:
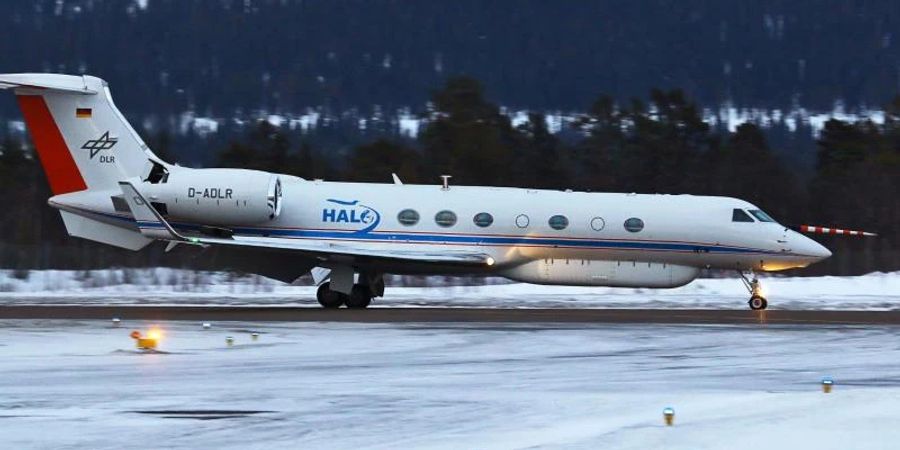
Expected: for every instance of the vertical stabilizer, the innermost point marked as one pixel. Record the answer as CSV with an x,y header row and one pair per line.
x,y
81,138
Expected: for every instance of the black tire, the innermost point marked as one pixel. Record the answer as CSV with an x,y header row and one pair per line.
x,y
758,303
327,298
360,297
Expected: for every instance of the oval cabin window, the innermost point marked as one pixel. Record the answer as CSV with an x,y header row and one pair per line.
x,y
634,224
558,222
483,219
408,217
445,218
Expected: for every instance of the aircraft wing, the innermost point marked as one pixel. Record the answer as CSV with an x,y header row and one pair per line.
x,y
153,225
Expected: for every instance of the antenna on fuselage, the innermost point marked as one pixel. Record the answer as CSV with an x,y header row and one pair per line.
x,y
445,182
396,178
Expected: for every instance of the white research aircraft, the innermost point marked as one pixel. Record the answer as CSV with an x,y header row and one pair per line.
x,y
109,187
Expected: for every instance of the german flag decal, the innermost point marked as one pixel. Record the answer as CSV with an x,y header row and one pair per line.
x,y
83,113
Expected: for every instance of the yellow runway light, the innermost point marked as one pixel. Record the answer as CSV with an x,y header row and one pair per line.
x,y
669,415
155,334
827,384
148,342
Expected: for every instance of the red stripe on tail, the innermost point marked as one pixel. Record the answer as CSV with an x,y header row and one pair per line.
x,y
52,150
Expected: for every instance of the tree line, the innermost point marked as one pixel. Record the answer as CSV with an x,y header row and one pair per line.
x,y
655,145
219,57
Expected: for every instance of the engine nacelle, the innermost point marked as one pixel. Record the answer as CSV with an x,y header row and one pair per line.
x,y
225,197
578,272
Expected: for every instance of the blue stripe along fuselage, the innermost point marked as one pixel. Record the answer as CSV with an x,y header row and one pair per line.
x,y
488,240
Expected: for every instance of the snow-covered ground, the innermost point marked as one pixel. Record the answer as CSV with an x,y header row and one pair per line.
x,y
79,384
876,291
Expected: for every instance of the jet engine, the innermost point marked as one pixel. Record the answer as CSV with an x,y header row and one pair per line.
x,y
222,197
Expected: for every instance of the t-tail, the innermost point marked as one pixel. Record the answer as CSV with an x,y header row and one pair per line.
x,y
81,138
86,148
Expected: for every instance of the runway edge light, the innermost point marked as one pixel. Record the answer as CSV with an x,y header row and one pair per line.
x,y
669,415
827,384
148,342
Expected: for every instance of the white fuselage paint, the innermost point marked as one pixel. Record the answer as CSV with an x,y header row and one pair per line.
x,y
681,233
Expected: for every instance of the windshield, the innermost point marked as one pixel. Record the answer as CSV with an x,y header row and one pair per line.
x,y
738,215
761,216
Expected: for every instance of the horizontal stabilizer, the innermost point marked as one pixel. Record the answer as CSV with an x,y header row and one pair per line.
x,y
94,230
46,81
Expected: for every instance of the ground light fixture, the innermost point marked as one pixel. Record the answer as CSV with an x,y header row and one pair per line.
x,y
669,415
827,384
149,341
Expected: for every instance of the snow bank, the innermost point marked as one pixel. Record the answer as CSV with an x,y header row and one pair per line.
x,y
875,291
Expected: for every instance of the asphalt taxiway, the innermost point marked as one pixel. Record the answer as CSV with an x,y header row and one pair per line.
x,y
463,315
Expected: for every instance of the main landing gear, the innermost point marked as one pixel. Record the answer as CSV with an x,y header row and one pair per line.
x,y
757,301
360,297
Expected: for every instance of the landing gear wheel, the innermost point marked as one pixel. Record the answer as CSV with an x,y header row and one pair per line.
x,y
360,297
757,303
327,298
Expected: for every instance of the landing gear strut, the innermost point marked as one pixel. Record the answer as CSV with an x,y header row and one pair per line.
x,y
757,301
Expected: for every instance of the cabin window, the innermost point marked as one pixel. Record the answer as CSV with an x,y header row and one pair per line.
x,y
597,223
445,218
634,224
761,216
483,219
522,221
558,222
738,215
408,217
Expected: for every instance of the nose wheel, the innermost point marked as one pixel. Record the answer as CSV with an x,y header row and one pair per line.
x,y
757,301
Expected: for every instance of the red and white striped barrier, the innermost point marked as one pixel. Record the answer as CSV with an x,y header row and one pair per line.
x,y
835,231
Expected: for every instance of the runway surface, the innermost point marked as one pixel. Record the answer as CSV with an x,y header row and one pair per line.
x,y
446,315
72,384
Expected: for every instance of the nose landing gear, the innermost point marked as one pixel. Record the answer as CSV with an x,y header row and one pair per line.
x,y
757,300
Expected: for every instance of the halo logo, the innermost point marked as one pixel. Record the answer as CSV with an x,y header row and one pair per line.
x,y
352,212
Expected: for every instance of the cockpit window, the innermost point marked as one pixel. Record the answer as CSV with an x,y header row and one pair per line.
x,y
761,216
738,215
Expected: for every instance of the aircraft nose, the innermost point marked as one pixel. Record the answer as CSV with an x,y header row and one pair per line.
x,y
813,249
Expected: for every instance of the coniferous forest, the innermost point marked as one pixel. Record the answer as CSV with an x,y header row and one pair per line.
x,y
655,144
226,83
